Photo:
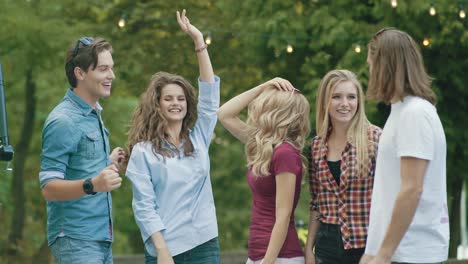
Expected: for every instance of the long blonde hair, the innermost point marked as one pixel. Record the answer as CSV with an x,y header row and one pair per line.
x,y
358,128
274,117
149,124
396,68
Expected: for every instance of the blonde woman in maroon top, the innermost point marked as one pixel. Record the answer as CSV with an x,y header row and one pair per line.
x,y
274,135
341,169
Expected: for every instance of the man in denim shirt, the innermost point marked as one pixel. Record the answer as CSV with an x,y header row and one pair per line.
x,y
77,170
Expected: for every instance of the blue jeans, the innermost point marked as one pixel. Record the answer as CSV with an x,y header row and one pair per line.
x,y
206,253
67,250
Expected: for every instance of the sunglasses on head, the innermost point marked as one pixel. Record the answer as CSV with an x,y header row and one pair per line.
x,y
84,41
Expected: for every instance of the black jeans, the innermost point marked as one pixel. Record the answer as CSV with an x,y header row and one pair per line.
x,y
329,247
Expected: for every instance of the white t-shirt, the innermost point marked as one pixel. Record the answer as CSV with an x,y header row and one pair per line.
x,y
413,129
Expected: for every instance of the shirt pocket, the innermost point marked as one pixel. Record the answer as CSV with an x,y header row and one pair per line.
x,y
89,145
196,163
359,197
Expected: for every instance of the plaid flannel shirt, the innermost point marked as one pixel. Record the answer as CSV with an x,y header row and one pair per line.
x,y
347,204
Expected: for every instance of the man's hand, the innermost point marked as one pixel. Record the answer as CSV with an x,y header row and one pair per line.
x,y
309,256
378,259
365,259
107,180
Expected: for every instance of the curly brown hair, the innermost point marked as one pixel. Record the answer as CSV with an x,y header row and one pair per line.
x,y
148,124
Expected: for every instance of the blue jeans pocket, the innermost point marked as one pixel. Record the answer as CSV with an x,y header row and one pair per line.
x,y
206,253
67,250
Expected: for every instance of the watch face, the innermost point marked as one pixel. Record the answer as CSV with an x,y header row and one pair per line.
x,y
88,186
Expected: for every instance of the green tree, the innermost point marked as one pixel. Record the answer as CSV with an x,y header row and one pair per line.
x,y
249,41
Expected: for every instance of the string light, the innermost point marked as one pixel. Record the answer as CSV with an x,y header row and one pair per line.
x,y
357,49
426,42
461,11
394,3
289,48
432,10
121,23
208,39
122,19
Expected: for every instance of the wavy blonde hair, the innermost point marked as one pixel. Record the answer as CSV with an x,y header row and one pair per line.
x,y
358,128
149,124
274,117
397,68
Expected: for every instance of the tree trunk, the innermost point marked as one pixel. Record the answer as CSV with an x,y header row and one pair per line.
x,y
42,255
19,161
455,202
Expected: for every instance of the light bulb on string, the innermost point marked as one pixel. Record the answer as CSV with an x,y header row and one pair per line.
x,y
208,39
289,48
357,49
394,3
462,14
426,42
122,20
121,23
432,11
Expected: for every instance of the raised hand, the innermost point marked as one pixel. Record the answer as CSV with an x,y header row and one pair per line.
x,y
280,84
188,28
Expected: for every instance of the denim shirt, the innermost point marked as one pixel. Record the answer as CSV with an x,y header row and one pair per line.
x,y
174,195
75,145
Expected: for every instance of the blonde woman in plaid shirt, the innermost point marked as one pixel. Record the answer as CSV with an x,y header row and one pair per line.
x,y
341,170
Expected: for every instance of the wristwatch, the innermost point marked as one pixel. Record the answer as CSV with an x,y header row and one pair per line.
x,y
88,187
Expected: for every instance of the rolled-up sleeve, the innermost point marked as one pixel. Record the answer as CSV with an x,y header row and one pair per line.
x,y
144,197
313,181
208,104
59,140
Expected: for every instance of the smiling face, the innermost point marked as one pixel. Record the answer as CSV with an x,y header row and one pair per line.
x,y
173,103
96,83
343,103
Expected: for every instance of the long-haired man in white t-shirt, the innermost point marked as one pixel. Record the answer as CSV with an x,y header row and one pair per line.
x,y
409,216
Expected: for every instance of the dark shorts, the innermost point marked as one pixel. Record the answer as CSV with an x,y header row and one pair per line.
x,y
329,247
206,253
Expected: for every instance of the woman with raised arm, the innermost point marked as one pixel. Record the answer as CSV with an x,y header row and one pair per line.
x,y
274,135
169,165
341,170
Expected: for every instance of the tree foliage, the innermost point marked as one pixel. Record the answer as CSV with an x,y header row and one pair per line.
x,y
249,41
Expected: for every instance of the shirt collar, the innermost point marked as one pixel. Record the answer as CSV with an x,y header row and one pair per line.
x,y
169,145
81,104
324,149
